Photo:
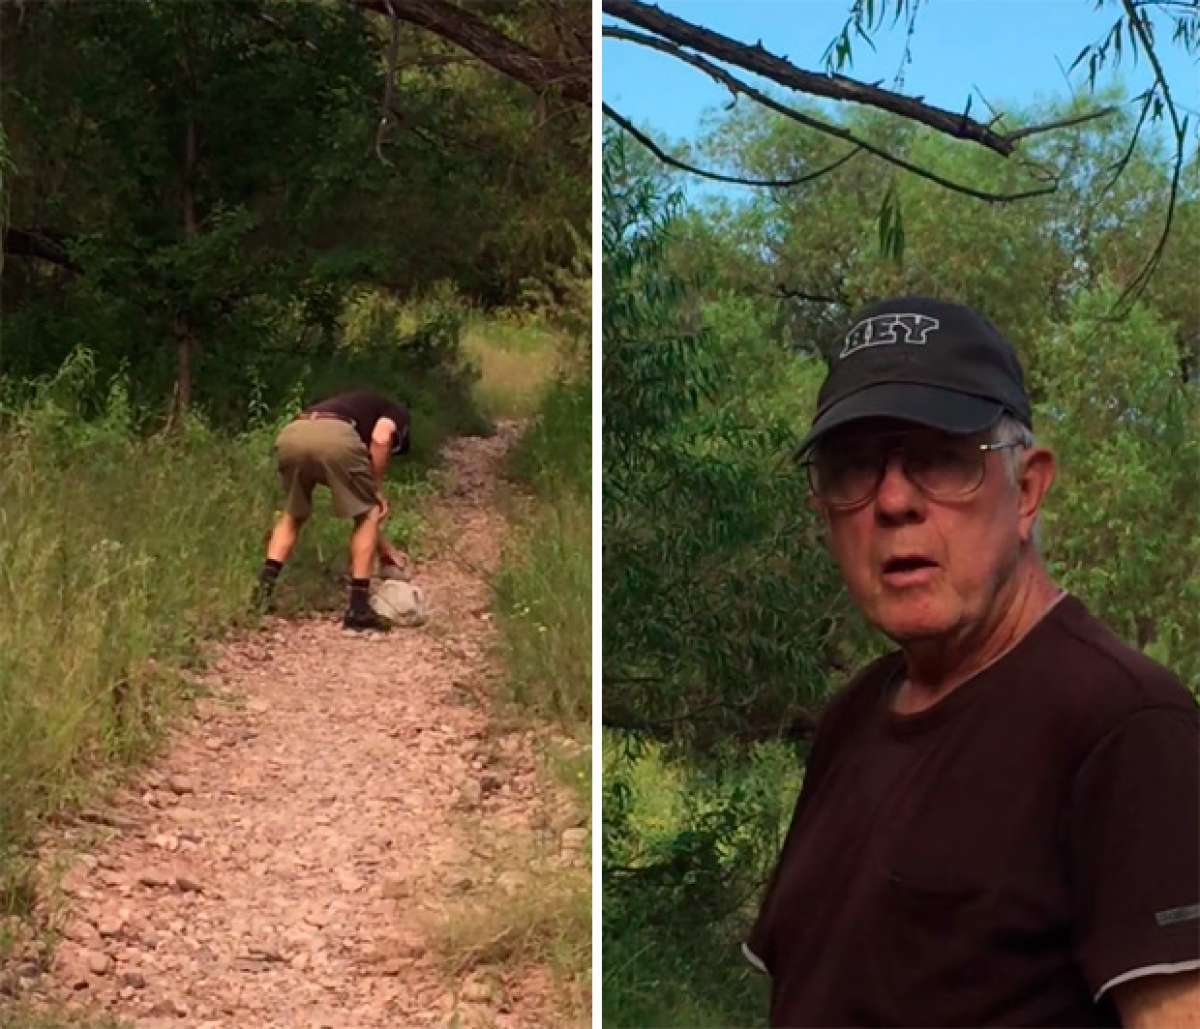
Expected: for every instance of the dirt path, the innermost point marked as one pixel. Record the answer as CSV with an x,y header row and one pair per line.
x,y
283,863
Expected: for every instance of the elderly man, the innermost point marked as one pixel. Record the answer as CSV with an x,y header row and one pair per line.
x,y
1000,820
345,443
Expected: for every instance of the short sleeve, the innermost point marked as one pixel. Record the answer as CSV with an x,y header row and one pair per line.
x,y
1135,849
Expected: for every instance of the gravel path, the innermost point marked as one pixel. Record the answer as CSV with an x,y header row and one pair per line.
x,y
282,863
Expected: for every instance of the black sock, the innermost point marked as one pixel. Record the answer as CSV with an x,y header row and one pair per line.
x,y
268,575
360,596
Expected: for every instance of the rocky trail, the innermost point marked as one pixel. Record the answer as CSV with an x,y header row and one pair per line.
x,y
289,858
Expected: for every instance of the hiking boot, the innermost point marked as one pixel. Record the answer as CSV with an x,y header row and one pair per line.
x,y
365,621
262,600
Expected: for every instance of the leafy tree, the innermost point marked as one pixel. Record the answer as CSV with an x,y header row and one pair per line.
x,y
884,138
725,626
198,189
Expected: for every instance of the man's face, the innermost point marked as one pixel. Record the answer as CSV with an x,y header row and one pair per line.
x,y
921,566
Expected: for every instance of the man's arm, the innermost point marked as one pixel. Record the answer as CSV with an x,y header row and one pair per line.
x,y
381,452
1158,1001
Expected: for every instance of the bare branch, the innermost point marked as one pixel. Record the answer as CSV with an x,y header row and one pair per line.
x,y
38,243
782,292
389,86
736,85
1061,123
293,37
572,78
666,158
1120,164
833,87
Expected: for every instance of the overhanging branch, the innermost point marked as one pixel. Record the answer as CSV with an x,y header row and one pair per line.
x,y
736,85
758,60
675,162
571,78
38,243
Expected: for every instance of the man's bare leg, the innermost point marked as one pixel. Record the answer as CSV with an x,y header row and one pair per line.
x,y
279,547
283,538
363,543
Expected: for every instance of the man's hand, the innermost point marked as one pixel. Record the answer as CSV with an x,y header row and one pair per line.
x,y
393,563
385,508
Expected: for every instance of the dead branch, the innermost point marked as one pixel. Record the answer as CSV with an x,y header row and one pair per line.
x,y
570,77
675,162
735,85
39,243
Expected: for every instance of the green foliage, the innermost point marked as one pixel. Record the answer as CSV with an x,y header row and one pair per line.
x,y
717,603
1119,526
544,587
722,621
687,849
120,556
723,618
209,172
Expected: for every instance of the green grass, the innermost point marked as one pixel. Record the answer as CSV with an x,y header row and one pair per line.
x,y
21,1016
543,590
119,558
516,359
544,921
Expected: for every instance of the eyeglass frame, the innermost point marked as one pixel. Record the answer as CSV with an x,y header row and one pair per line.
x,y
881,471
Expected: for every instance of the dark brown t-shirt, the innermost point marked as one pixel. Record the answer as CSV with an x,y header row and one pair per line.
x,y
998,859
364,409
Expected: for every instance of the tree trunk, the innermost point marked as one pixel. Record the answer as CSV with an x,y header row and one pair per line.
x,y
185,337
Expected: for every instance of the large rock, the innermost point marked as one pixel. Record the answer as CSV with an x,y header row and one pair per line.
x,y
400,602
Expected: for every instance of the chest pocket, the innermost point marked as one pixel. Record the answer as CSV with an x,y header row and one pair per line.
x,y
934,931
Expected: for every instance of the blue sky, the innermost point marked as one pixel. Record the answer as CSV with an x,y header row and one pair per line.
x,y
1008,50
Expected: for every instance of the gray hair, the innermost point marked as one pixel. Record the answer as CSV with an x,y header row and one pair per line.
x,y
1009,430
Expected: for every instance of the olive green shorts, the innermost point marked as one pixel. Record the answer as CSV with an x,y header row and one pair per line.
x,y
329,452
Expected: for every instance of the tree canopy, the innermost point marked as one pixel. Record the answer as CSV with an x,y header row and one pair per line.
x,y
194,190
1137,33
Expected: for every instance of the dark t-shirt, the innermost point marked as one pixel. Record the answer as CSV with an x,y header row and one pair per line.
x,y
364,409
999,859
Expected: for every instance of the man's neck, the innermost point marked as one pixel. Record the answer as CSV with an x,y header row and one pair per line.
x,y
936,668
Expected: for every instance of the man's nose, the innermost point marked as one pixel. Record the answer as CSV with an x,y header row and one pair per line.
x,y
897,498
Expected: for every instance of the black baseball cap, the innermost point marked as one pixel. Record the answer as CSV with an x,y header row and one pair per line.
x,y
925,361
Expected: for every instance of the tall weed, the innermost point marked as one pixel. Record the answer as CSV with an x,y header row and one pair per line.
x,y
543,590
119,557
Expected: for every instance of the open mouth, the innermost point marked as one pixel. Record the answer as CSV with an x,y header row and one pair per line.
x,y
908,570
906,564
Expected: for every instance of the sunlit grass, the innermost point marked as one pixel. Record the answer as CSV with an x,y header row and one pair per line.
x,y
516,362
22,1016
539,919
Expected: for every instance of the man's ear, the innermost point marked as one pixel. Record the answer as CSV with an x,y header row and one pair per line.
x,y
1038,468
